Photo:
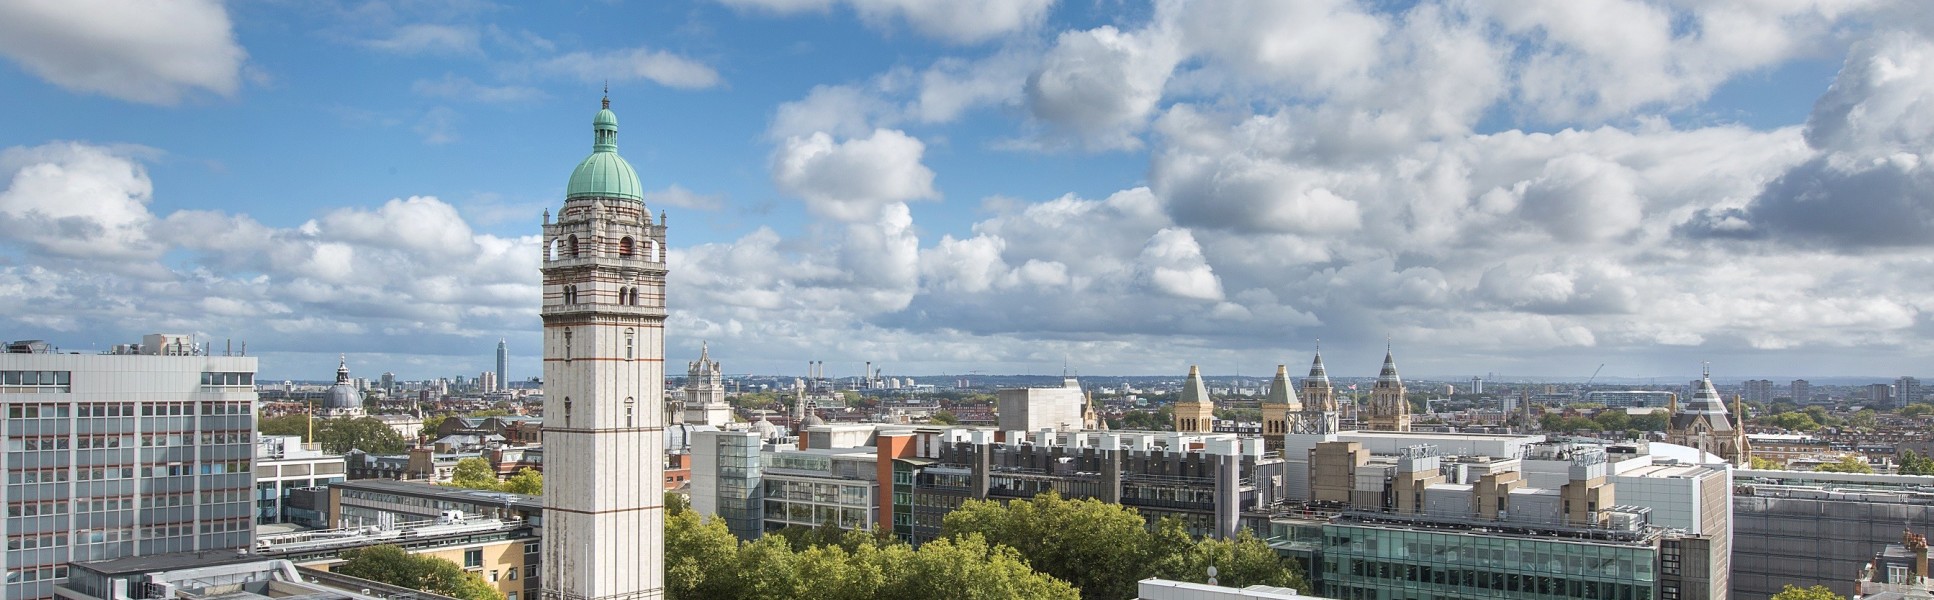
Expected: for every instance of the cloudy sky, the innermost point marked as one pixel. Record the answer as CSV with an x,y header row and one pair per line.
x,y
1518,187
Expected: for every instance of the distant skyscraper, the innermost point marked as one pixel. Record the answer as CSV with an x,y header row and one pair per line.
x,y
1880,394
503,360
1758,390
1802,391
1477,385
604,384
147,450
1907,390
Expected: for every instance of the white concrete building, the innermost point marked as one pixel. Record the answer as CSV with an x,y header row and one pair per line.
x,y
1034,409
282,464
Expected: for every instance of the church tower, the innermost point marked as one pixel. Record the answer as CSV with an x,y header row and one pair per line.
x,y
1194,412
1279,410
705,391
1389,409
1319,415
604,383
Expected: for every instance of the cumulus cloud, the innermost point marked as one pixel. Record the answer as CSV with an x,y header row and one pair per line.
x,y
409,274
1101,85
678,196
854,180
658,66
149,52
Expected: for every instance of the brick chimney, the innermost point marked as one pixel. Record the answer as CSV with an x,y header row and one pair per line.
x,y
1917,544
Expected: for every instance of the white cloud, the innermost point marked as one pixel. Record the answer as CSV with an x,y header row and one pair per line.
x,y
855,179
73,200
659,66
149,52
438,126
457,87
955,22
1171,263
678,196
429,38
1101,85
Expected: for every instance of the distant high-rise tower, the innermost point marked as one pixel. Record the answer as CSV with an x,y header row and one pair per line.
x,y
1477,385
503,361
1389,409
705,391
1802,391
604,384
1194,411
1279,410
1319,414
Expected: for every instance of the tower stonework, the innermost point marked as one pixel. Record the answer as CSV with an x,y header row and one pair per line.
x,y
1279,410
1195,411
1319,414
1389,406
604,373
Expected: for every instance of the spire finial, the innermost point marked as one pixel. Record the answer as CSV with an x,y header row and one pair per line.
x,y
1707,369
606,103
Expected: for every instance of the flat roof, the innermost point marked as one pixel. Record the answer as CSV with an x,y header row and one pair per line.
x,y
169,562
444,492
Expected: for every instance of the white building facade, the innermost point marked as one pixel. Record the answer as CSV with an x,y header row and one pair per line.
x,y
604,374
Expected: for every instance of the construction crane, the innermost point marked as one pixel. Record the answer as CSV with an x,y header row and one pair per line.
x,y
1587,389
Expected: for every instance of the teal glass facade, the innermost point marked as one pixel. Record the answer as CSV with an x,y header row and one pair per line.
x,y
1383,563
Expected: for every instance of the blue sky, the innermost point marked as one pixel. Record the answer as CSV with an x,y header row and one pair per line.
x,y
1525,188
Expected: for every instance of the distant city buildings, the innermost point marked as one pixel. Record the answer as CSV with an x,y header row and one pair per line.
x,y
145,450
1037,408
1758,390
1802,391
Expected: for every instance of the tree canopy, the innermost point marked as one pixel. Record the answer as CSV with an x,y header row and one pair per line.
x,y
338,435
703,560
477,474
1912,463
1847,464
392,565
1104,548
1818,592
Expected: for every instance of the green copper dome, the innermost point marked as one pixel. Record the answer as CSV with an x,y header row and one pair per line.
x,y
604,174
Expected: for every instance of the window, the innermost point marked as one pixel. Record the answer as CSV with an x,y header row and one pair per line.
x,y
530,571
624,247
571,246
493,576
473,558
533,547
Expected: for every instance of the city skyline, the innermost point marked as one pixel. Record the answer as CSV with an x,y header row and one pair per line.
x,y
1530,189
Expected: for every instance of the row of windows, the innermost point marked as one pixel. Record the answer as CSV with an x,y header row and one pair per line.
x,y
1408,577
32,378
30,542
217,378
40,574
41,476
35,509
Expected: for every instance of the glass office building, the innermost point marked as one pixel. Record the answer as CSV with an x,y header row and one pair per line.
x,y
1375,562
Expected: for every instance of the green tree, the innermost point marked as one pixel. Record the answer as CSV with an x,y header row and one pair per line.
x,y
431,425
1795,421
526,481
676,503
392,565
1652,421
475,473
1847,464
1765,464
362,433
1917,409
1912,463
1818,592
1612,420
945,417
1099,547
297,424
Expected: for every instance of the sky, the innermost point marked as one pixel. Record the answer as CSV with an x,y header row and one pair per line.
x,y
1488,187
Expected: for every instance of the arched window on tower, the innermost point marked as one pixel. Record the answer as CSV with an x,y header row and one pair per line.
x,y
550,251
567,345
572,246
634,296
630,336
628,405
624,247
567,411
651,251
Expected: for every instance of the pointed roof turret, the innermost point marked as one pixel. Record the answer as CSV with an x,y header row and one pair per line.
x,y
1316,366
1192,389
1280,391
342,368
1706,402
1388,376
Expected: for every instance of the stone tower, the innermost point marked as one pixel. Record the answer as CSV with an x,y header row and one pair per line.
x,y
705,391
1389,409
604,382
1704,424
1194,411
1319,413
1279,410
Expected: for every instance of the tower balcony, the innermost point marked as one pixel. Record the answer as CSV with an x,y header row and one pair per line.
x,y
588,309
